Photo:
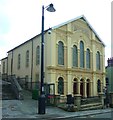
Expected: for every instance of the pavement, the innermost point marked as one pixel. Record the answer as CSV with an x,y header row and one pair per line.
x,y
28,108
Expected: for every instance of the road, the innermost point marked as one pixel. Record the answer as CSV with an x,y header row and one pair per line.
x,y
104,116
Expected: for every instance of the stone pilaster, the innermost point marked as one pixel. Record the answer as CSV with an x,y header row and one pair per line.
x,y
78,87
85,88
78,58
91,88
77,101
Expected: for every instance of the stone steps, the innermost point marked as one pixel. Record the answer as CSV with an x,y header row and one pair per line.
x,y
7,93
91,106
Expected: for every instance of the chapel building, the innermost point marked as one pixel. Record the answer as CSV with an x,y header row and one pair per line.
x,y
74,59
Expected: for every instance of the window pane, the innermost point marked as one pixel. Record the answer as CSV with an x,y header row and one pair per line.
x,y
61,53
81,54
60,85
3,67
19,59
88,58
27,58
98,86
98,60
75,56
38,55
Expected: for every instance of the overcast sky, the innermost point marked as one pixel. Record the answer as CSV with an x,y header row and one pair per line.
x,y
20,20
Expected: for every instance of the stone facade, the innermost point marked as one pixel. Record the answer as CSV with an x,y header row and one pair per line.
x,y
70,74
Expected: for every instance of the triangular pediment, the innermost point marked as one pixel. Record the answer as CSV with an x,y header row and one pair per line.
x,y
79,24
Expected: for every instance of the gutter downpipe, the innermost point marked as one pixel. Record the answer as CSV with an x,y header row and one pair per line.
x,y
32,65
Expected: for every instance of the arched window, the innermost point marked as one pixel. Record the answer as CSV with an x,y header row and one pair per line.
x,y
87,58
98,60
81,54
3,67
19,61
27,58
98,86
38,55
75,56
60,85
60,53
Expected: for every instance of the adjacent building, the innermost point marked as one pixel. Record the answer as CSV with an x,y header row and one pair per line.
x,y
74,59
0,72
109,75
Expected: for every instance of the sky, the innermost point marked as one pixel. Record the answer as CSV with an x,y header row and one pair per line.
x,y
20,20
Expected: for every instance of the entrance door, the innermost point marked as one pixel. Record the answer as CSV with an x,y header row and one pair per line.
x,y
88,89
81,88
74,88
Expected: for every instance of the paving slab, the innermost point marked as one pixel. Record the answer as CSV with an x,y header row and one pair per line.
x,y
29,109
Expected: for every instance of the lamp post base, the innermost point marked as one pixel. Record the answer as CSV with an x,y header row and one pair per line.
x,y
41,104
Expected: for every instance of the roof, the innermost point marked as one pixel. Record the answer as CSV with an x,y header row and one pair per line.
x,y
3,58
62,24
27,41
84,18
21,44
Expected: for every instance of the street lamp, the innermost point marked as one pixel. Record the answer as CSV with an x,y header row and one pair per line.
x,y
41,101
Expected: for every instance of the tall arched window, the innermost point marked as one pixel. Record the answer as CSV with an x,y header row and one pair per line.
x,y
60,85
87,58
98,60
19,61
98,86
27,58
38,55
81,54
60,53
75,56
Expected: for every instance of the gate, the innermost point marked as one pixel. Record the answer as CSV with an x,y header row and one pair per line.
x,y
50,94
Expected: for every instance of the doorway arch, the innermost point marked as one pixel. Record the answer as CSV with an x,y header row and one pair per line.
x,y
98,86
75,86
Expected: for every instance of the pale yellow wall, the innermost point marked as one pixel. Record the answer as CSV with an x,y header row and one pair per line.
x,y
70,34
1,66
36,68
9,62
23,71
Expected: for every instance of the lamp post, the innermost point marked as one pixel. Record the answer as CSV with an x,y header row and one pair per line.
x,y
41,101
